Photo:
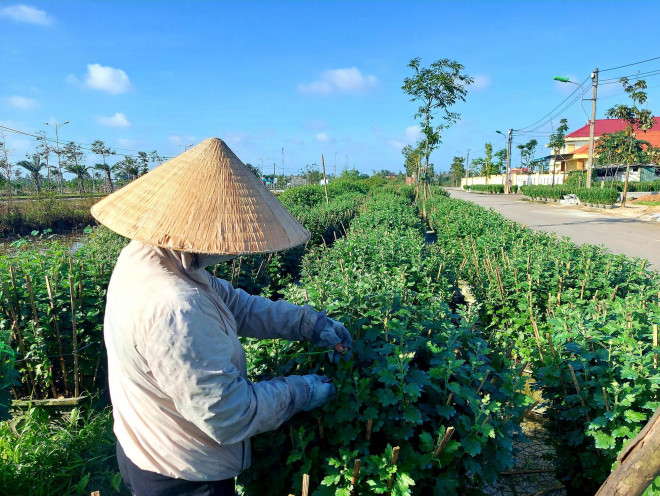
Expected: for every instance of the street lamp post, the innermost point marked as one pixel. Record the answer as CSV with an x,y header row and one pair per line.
x,y
507,186
592,121
57,144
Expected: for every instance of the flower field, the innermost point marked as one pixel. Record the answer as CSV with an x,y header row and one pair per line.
x,y
433,398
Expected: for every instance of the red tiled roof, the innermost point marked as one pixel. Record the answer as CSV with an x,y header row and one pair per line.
x,y
605,126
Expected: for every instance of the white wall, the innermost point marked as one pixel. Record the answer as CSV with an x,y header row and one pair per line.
x,y
516,179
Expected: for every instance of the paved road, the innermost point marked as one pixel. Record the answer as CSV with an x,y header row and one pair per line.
x,y
619,234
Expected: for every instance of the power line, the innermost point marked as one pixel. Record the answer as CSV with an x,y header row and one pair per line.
x,y
84,146
628,65
571,95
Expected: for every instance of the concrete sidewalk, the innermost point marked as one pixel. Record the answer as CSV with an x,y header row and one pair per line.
x,y
619,234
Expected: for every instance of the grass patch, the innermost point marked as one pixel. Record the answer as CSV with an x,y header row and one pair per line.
x,y
648,203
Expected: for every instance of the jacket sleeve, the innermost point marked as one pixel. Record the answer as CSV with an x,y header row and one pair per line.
x,y
258,317
190,352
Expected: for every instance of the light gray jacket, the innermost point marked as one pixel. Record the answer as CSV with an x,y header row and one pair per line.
x,y
182,404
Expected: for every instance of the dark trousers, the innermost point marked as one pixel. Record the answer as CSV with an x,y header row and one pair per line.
x,y
144,483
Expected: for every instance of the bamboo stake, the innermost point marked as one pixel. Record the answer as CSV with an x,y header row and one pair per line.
x,y
74,335
395,458
554,355
356,472
370,424
19,336
577,388
614,292
607,403
483,381
325,181
28,281
59,337
655,344
13,282
305,485
561,280
536,331
445,439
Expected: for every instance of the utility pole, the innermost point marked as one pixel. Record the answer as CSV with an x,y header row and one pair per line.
x,y
507,187
467,166
57,142
592,125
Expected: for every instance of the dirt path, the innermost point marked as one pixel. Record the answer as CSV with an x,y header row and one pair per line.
x,y
618,232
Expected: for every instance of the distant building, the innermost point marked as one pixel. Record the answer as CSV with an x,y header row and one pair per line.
x,y
575,153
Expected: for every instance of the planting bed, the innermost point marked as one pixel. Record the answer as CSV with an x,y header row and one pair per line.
x,y
433,399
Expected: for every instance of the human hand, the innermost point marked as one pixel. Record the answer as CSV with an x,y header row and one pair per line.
x,y
334,336
320,391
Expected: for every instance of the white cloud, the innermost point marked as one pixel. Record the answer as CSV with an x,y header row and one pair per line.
x,y
22,102
23,13
105,78
322,137
481,82
413,133
396,144
117,120
337,81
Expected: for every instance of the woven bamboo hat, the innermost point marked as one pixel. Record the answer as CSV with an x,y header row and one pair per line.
x,y
203,201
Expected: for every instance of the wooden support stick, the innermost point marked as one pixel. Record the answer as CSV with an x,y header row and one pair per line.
x,y
370,424
305,485
577,388
395,458
582,290
449,399
607,403
58,335
655,344
614,292
74,335
443,442
483,381
536,331
35,316
356,472
325,181
561,281
13,282
28,281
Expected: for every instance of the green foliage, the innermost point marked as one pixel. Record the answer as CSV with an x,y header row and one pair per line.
x,y
417,368
48,213
74,455
551,304
488,188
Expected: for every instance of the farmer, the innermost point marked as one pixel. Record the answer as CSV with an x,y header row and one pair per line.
x,y
184,410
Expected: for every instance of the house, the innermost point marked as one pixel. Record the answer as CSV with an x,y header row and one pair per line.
x,y
575,153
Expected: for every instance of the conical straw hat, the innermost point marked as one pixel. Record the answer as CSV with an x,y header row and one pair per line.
x,y
203,201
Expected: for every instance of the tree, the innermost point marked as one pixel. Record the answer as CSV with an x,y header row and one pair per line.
x,y
155,157
413,158
614,148
636,118
128,167
100,148
33,167
501,161
143,163
73,163
457,169
488,167
557,142
436,88
45,150
254,169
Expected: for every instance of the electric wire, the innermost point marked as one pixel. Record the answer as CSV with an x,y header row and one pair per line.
x,y
83,146
628,65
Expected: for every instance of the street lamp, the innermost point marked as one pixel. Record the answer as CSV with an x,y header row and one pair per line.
x,y
57,144
592,121
507,186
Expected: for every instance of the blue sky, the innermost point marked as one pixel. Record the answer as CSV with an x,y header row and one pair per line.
x,y
312,77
